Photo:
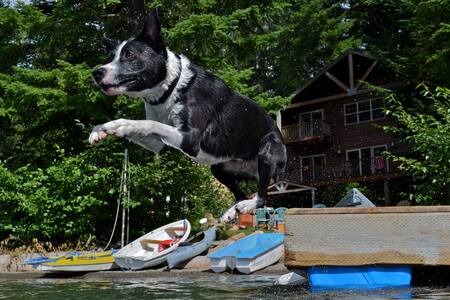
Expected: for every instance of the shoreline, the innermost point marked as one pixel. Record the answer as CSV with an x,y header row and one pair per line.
x,y
13,267
273,270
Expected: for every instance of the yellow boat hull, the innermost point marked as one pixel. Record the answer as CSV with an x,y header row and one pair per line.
x,y
97,261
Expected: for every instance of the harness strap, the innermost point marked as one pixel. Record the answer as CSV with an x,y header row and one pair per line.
x,y
169,91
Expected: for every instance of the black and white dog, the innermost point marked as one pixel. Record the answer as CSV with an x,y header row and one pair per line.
x,y
193,111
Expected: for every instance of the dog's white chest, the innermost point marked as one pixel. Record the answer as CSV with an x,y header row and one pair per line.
x,y
166,113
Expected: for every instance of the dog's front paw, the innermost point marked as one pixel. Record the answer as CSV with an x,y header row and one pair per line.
x,y
247,206
97,135
119,128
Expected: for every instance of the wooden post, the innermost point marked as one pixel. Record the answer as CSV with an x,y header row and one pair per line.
x,y
387,193
351,76
279,119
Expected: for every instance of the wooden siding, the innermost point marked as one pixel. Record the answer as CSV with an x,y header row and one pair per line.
x,y
342,137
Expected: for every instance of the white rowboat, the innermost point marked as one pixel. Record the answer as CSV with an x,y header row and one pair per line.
x,y
152,248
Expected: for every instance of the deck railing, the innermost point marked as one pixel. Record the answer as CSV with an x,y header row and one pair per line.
x,y
305,131
348,169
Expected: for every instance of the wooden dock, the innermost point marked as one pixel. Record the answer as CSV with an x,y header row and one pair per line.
x,y
415,235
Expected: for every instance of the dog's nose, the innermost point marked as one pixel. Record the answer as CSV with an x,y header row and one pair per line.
x,y
99,74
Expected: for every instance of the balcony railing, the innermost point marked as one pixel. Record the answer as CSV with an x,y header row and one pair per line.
x,y
305,131
349,169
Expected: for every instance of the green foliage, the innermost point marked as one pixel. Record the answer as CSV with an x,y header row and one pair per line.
x,y
411,37
426,129
75,197
192,191
40,108
308,36
60,203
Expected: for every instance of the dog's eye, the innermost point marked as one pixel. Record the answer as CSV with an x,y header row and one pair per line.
x,y
128,55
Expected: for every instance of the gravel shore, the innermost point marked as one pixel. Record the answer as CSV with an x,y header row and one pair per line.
x,y
12,267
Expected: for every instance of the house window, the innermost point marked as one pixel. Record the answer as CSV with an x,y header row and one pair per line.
x,y
366,161
310,123
313,167
364,111
310,117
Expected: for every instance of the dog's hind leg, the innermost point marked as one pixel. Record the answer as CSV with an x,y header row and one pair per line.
x,y
228,180
271,161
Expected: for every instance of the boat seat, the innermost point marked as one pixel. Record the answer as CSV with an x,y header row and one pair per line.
x,y
176,228
162,244
152,242
146,244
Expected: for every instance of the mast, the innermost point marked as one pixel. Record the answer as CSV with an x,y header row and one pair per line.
x,y
125,194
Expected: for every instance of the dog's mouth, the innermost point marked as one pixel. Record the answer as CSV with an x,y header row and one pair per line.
x,y
119,88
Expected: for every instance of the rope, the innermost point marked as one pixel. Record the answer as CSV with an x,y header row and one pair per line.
x,y
117,211
115,223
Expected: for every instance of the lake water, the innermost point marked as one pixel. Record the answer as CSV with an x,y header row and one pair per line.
x,y
209,286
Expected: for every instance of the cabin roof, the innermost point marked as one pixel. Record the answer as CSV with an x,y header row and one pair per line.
x,y
343,77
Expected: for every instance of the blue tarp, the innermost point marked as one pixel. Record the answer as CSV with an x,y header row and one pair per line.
x,y
359,277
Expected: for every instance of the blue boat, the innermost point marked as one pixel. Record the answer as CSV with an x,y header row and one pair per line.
x,y
192,247
359,277
249,254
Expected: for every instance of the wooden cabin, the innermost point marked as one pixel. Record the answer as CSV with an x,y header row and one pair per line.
x,y
332,127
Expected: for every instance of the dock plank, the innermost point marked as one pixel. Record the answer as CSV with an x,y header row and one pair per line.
x,y
365,236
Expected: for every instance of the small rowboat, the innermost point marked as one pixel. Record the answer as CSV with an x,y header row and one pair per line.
x,y
193,247
249,254
153,248
75,262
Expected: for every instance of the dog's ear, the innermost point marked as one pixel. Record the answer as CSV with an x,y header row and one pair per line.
x,y
151,32
109,44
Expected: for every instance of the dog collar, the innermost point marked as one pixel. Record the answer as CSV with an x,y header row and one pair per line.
x,y
172,86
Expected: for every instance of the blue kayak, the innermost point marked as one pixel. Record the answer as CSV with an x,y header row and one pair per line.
x,y
191,248
249,254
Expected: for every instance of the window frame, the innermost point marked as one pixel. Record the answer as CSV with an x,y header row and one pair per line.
x,y
357,112
311,156
372,155
310,113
